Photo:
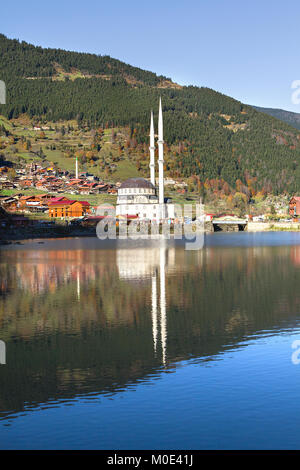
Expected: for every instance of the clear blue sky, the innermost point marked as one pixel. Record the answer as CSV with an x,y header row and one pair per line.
x,y
246,49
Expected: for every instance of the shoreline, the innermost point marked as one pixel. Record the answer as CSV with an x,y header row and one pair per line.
x,y
14,235
273,227
18,235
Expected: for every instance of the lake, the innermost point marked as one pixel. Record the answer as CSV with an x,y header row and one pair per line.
x,y
145,345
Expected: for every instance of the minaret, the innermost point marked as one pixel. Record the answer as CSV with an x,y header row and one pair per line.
x,y
152,152
76,168
161,161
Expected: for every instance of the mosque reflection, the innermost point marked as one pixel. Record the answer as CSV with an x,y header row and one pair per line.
x,y
141,264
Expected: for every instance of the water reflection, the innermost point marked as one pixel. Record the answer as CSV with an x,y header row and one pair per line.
x,y
82,319
144,263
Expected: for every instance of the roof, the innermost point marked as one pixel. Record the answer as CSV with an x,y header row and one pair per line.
x,y
24,198
136,183
297,198
57,199
61,201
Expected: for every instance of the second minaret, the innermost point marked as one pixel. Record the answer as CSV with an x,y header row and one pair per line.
x,y
161,158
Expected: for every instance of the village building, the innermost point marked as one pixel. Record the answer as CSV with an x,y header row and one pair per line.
x,y
294,206
65,208
9,203
33,203
8,185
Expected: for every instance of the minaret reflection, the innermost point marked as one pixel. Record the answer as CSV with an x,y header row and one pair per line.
x,y
144,263
78,284
154,311
163,309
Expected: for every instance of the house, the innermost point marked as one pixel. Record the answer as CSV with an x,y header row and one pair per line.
x,y
9,203
206,217
63,207
45,198
34,203
258,218
26,183
8,185
294,206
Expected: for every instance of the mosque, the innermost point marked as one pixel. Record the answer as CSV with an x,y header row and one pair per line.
x,y
139,196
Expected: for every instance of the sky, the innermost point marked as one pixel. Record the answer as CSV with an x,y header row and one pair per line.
x,y
245,49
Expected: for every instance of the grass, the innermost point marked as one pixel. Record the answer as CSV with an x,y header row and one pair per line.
x,y
93,199
26,192
8,192
5,122
290,228
57,157
126,169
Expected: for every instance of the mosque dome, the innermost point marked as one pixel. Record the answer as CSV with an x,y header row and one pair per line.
x,y
136,183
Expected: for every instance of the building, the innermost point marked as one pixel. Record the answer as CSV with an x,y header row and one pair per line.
x,y
64,208
294,206
139,196
9,203
34,203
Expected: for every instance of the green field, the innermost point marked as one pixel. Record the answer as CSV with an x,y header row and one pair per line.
x,y
57,157
126,169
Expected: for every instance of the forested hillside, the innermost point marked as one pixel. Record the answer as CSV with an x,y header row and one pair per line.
x,y
293,119
213,139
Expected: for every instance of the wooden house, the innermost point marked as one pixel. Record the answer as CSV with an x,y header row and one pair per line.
x,y
63,207
9,203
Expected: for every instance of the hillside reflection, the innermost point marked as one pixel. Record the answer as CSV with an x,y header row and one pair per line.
x,y
78,319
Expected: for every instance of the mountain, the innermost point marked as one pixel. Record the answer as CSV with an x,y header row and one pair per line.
x,y
218,143
293,119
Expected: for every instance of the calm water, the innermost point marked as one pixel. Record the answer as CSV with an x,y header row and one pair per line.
x,y
110,346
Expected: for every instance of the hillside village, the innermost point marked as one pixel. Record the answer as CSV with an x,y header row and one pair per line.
x,y
38,169
38,175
